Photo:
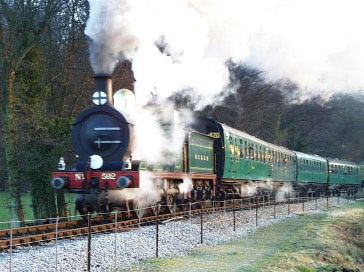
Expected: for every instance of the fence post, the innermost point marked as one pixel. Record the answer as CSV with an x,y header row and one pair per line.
x,y
289,208
11,244
57,219
174,223
190,219
347,196
157,233
201,222
234,213
256,211
89,242
338,198
316,200
274,205
116,230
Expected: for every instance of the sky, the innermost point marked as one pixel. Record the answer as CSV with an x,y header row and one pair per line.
x,y
318,44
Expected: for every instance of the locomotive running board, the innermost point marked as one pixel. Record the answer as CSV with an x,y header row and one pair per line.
x,y
173,175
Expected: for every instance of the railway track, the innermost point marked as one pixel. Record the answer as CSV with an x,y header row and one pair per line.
x,y
38,234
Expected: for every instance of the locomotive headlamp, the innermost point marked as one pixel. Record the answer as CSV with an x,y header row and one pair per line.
x,y
96,162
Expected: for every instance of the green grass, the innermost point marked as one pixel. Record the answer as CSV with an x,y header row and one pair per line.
x,y
331,241
5,215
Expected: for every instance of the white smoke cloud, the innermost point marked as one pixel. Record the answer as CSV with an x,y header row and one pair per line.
x,y
317,44
155,143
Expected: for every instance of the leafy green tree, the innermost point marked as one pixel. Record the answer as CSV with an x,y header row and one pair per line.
x,y
22,25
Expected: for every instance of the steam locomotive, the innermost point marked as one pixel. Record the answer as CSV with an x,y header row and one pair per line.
x,y
215,161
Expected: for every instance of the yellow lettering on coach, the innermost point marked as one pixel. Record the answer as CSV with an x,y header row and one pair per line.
x,y
214,134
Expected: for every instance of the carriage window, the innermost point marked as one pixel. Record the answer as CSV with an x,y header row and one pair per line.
x,y
241,149
260,154
251,152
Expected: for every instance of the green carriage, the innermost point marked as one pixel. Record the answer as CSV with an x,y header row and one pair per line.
x,y
343,174
200,153
250,158
311,169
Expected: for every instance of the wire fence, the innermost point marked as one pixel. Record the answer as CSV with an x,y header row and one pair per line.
x,y
124,247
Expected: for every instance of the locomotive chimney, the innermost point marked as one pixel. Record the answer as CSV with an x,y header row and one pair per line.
x,y
104,84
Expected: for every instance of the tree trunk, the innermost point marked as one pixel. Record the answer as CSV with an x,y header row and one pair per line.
x,y
9,122
61,204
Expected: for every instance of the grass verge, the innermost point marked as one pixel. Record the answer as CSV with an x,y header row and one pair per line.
x,y
26,199
330,241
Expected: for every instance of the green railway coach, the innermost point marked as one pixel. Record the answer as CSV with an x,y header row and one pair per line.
x,y
343,173
311,169
250,158
240,156
282,163
200,153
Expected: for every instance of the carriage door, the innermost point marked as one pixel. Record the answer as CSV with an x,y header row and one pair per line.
x,y
236,161
234,155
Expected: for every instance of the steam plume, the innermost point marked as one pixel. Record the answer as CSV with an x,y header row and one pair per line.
x,y
183,44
